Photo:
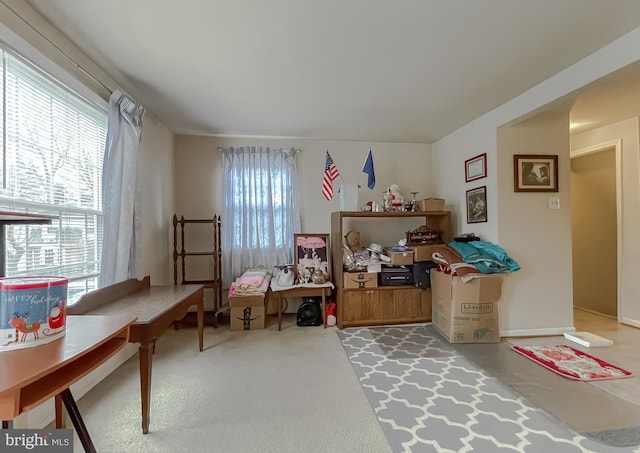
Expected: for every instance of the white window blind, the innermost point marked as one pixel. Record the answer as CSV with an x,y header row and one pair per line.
x,y
52,151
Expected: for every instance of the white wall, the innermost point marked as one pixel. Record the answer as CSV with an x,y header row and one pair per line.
x,y
199,174
537,237
480,136
449,156
156,182
628,133
198,183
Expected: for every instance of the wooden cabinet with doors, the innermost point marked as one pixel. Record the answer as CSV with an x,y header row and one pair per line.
x,y
383,304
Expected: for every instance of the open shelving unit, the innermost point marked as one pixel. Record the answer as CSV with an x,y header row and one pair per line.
x,y
384,304
214,283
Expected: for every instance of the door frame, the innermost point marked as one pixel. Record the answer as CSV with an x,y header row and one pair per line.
x,y
617,145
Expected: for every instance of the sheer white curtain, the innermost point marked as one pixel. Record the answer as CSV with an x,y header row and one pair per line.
x,y
261,209
119,189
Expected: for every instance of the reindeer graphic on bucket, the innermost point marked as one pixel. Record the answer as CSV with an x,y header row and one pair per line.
x,y
32,310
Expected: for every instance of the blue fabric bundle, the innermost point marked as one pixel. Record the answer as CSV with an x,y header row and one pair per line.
x,y
487,257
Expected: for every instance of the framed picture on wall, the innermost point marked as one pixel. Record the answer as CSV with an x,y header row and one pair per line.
x,y
312,252
475,168
535,173
477,205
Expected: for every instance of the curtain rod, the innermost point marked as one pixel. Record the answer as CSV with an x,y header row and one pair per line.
x,y
297,150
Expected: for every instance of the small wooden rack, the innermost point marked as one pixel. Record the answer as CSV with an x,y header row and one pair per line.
x,y
215,282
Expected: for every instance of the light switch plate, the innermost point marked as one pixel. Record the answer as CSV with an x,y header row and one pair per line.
x,y
554,203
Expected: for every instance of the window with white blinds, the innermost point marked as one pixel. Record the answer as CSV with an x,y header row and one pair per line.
x,y
51,163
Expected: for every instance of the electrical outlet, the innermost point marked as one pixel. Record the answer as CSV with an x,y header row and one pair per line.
x,y
554,203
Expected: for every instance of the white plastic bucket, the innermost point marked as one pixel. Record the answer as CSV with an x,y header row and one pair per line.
x,y
33,311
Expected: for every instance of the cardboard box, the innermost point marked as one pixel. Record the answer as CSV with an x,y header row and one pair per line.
x,y
360,280
400,256
247,312
423,252
466,312
430,204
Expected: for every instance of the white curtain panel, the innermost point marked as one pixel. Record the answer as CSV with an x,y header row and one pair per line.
x,y
119,189
261,209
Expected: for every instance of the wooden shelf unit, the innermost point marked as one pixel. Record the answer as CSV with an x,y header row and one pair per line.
x,y
383,304
215,282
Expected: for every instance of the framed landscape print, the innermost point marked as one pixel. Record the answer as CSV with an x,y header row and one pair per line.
x,y
477,205
311,252
475,168
535,173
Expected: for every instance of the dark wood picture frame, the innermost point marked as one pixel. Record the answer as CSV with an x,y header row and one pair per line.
x,y
311,251
475,168
477,205
535,173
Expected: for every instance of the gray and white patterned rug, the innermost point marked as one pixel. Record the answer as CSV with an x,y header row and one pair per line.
x,y
429,398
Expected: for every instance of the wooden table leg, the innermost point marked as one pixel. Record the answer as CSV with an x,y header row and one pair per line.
x,y
279,310
76,419
61,418
200,316
7,424
146,358
324,308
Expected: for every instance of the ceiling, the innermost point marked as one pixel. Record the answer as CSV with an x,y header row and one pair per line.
x,y
366,70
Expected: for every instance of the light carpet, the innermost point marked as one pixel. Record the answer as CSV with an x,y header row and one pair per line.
x,y
429,397
265,391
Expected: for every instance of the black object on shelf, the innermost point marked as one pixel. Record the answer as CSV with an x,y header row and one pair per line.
x,y
468,237
395,276
422,273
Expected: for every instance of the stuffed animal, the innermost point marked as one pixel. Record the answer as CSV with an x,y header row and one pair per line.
x,y
352,239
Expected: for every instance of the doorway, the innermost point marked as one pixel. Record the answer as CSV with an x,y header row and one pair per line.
x,y
595,221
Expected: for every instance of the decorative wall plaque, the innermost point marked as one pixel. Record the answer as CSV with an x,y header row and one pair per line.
x,y
423,235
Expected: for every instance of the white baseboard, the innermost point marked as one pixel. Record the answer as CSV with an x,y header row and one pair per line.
x,y
42,415
536,332
631,322
594,312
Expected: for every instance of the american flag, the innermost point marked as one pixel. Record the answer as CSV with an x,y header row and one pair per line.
x,y
330,173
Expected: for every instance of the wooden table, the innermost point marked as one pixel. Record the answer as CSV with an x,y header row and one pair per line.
x,y
30,376
308,289
156,308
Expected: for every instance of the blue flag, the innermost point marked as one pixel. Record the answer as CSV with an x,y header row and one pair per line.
x,y
368,169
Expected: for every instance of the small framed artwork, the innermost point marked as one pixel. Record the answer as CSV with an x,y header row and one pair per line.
x,y
477,205
475,168
312,252
535,173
